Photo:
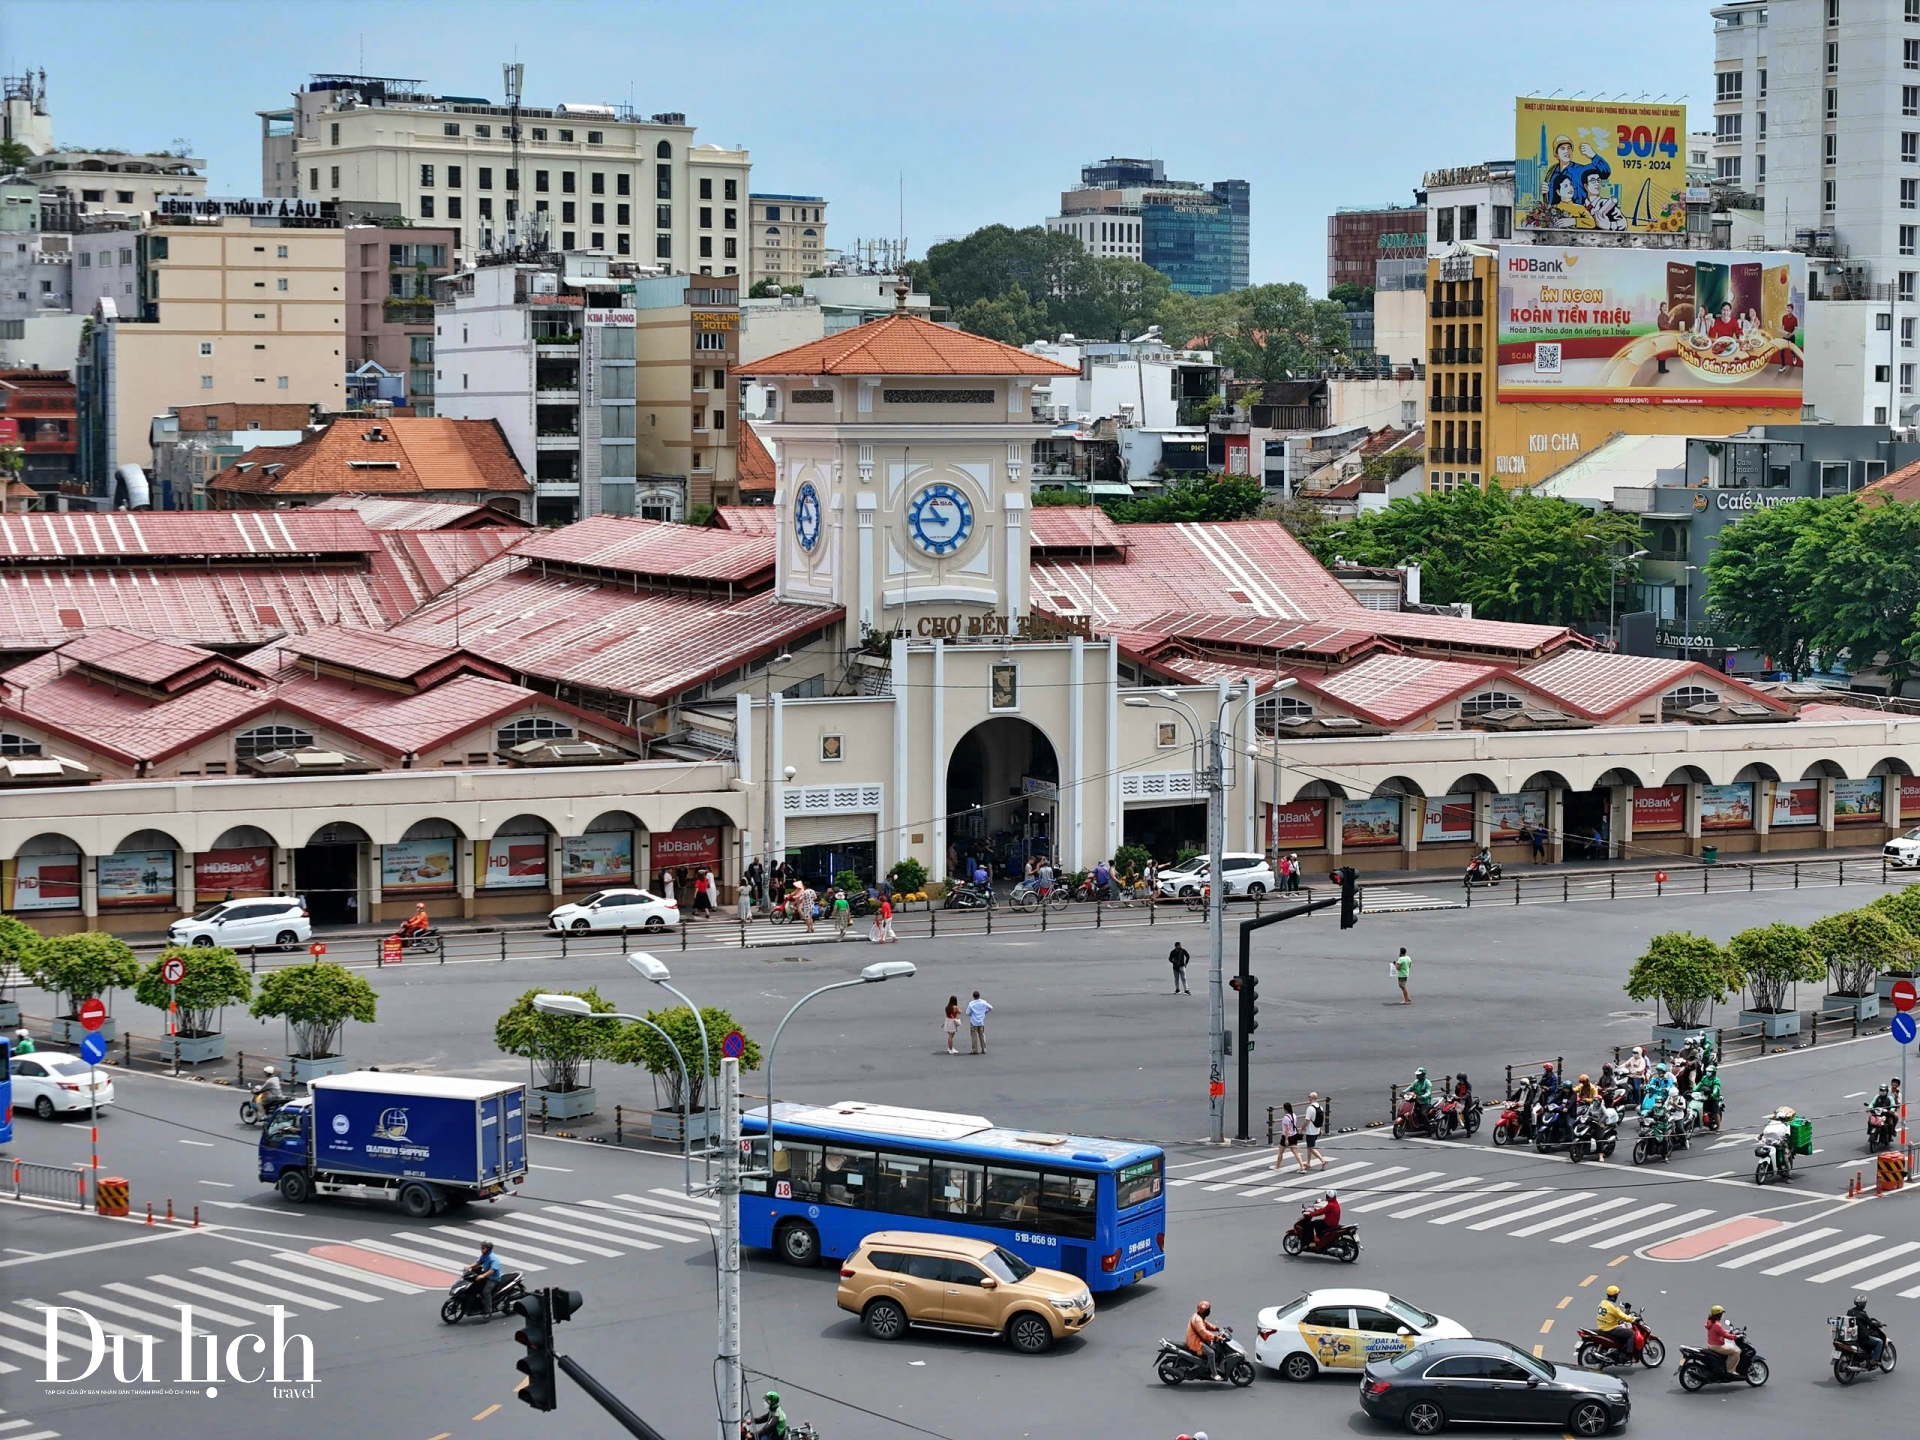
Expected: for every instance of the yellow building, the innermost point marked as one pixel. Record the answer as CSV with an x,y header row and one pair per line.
x,y
237,310
686,342
1473,437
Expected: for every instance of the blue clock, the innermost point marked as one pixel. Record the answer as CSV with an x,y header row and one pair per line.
x,y
939,518
806,516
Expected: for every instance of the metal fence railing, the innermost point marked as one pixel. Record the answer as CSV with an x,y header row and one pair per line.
x,y
60,1184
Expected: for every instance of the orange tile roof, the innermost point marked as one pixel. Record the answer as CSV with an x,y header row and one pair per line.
x,y
1902,484
905,345
756,465
414,455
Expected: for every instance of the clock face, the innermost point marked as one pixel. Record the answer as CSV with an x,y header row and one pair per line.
x,y
939,519
806,516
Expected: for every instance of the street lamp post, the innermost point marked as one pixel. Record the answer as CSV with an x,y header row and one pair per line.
x,y
576,1007
1616,566
1686,615
766,783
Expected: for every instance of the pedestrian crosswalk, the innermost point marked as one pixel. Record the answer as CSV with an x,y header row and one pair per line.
x,y
1388,899
242,1292
12,1427
1374,1190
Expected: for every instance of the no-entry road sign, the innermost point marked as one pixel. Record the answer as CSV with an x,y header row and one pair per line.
x,y
93,1013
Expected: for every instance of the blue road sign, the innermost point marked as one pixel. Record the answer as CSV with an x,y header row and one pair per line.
x,y
93,1047
1903,1028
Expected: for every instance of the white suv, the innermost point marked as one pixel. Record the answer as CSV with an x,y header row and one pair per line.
x,y
1241,874
1904,850
263,920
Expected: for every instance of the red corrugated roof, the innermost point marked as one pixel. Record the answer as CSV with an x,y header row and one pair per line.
x,y
381,654
1074,527
658,549
746,519
901,344
416,565
1397,688
754,463
1329,640
384,512
402,725
154,537
1600,684
128,725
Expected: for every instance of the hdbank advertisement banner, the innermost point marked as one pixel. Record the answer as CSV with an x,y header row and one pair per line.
x,y
1593,165
1650,327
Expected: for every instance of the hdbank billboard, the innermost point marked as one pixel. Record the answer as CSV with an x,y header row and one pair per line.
x,y
1650,327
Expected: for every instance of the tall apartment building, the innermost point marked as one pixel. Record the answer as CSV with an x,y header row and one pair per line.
x,y
390,278
687,337
1197,236
235,309
589,177
1360,236
787,237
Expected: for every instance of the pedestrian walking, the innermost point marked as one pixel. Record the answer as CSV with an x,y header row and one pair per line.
x,y
1289,1138
1283,869
809,902
1293,872
666,885
703,895
842,915
1043,878
1310,1131
756,882
885,923
1538,835
1403,972
1178,958
951,1023
1153,880
977,1012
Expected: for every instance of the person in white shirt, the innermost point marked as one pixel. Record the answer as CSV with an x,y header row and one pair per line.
x,y
977,1011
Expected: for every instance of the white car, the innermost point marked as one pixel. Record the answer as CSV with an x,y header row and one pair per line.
x,y
615,910
50,1083
260,920
1903,850
1343,1330
1242,874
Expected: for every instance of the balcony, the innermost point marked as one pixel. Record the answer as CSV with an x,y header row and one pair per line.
x,y
1473,356
1470,403
557,440
556,395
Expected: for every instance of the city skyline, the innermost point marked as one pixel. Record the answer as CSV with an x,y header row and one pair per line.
x,y
996,150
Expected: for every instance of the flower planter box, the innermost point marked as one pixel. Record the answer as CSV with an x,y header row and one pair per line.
x,y
194,1049
1849,1007
9,1015
1883,986
1675,1037
305,1067
562,1104
69,1031
702,1125
1773,1023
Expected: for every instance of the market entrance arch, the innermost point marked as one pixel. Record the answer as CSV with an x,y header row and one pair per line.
x,y
1003,795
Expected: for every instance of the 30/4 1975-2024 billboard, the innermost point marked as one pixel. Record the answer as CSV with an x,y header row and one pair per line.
x,y
1594,165
1615,326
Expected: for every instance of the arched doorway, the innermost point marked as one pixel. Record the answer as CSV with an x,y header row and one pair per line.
x,y
326,872
1003,794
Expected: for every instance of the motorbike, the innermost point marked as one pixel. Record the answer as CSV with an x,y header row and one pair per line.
x,y
805,1430
1553,1123
427,939
1851,1351
1595,1132
790,912
968,897
1341,1243
1776,1162
1441,1120
463,1296
1089,891
1516,1116
1656,1139
1700,1366
1176,1363
1703,1111
1026,896
1881,1125
261,1106
1594,1351
1200,901
1488,873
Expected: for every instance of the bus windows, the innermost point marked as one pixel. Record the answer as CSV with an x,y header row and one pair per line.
x,y
755,1159
844,1177
958,1190
1068,1202
1013,1195
1137,1184
796,1171
902,1187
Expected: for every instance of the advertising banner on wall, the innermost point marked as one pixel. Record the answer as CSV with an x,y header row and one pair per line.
x,y
1726,807
1449,818
1518,814
1650,327
1859,802
1659,808
45,882
1797,803
1302,825
418,865
686,847
1909,798
217,873
510,862
137,877
1370,822
591,860
1599,165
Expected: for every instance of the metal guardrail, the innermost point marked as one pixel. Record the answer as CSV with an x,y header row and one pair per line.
x,y
1690,877
59,1184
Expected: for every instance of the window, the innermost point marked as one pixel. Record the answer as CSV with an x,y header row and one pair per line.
x,y
11,744
733,219
567,178
1913,12
1469,222
1013,1195
1727,167
730,190
1829,197
1760,169
663,151
539,132
595,137
281,383
1760,122
1905,289
599,209
453,175
258,741
663,250
1833,57
719,379
486,207
732,248
206,347
1726,85
1443,224
846,1175
485,132
566,214
566,136
1909,147
1910,194
1686,697
335,176
706,339
1906,379
426,208
706,247
566,239
540,178
536,727
1726,129
1910,54
623,214
900,1185
1910,99
706,217
334,137
663,182
486,177
1833,13
1907,236
1830,150
426,174
1762,87
453,207
1491,702
663,216
206,382
623,244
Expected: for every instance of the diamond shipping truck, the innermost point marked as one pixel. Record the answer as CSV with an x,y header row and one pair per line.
x,y
429,1142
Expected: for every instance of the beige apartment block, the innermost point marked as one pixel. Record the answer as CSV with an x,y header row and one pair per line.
x,y
788,237
686,344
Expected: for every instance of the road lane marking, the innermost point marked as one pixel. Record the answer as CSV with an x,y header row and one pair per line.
x,y
1892,1275
1728,1233
1588,1281
1844,1247
485,1413
1612,1222
713,1205
211,1294
414,1237
40,1330
373,1263
1877,1258
622,1226
221,1184
121,1288
203,1144
1539,1351
1446,1201
547,1225
90,1249
1671,1222
1402,1199
1233,1169
165,1322
317,1261
517,1240
1500,1204
1573,1198
291,1297
1546,1326
704,1218
1792,1242
561,1169
325,1287
1617,1260
1564,1303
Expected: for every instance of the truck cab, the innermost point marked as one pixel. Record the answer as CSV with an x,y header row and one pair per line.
x,y
284,1142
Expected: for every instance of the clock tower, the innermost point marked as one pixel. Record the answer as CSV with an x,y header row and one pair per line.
x,y
900,452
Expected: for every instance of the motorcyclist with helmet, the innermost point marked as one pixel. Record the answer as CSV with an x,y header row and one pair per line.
x,y
1584,1091
1659,1087
1779,1134
1707,1102
773,1424
1204,1337
487,1271
1882,1113
1867,1330
1614,1324
418,923
1721,1340
1324,1218
1420,1092
271,1090
1635,1068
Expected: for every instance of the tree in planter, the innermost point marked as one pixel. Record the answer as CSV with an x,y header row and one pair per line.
x,y
1902,907
849,881
1772,958
637,1045
80,966
18,941
1855,946
214,979
317,1000
908,877
1684,972
1131,859
558,1045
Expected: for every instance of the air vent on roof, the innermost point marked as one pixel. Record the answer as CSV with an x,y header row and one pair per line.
x,y
1338,722
1065,602
375,436
267,615
1240,597
1749,708
364,465
71,620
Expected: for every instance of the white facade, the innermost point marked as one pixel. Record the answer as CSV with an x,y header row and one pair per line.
x,y
1468,203
1849,379
1375,403
1739,135
1143,385
1103,235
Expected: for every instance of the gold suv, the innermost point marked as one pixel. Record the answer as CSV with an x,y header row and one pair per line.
x,y
899,1278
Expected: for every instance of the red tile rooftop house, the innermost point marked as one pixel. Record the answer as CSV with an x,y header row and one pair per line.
x,y
461,462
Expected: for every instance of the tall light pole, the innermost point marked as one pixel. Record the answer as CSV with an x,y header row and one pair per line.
x,y
1686,616
766,782
576,1007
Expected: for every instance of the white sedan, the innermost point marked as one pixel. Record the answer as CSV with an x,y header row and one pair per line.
x,y
1343,1330
49,1083
615,910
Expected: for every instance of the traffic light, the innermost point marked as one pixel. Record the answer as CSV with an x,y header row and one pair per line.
x,y
537,1335
562,1303
1349,879
1249,988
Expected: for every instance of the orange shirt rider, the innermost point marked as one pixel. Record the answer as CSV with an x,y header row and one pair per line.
x,y
417,922
1201,1332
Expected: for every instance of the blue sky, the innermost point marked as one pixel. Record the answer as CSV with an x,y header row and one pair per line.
x,y
988,108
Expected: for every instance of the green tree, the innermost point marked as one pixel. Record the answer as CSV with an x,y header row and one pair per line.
x,y
1197,497
316,1000
1351,295
1270,331
558,1045
1772,958
638,1045
1008,317
214,979
1902,907
13,155
18,941
79,966
1866,592
908,876
1855,946
1685,973
1132,858
1758,580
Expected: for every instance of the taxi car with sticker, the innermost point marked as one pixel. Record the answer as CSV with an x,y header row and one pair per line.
x,y
1342,1330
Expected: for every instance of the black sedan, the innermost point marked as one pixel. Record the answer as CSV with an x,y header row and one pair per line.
x,y
1473,1381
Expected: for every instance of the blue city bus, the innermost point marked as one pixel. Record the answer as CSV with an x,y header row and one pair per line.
x,y
1093,1208
6,1092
